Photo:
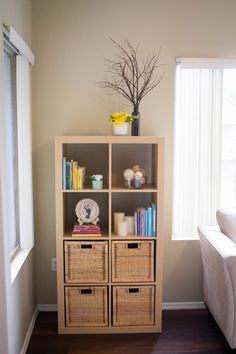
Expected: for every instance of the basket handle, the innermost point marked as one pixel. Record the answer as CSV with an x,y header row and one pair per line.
x,y
86,291
133,245
133,290
86,246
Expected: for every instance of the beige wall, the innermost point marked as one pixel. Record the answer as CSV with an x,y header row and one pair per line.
x,y
70,42
17,300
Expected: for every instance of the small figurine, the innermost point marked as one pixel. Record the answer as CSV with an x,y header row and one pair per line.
x,y
138,179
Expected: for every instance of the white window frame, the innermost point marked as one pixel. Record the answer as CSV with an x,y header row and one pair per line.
x,y
24,60
210,165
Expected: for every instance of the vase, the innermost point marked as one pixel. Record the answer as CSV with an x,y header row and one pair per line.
x,y
121,130
135,128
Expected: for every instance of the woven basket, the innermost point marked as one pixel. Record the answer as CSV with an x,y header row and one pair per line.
x,y
133,306
86,261
133,261
86,306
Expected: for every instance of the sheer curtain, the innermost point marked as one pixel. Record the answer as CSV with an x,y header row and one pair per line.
x,y
197,146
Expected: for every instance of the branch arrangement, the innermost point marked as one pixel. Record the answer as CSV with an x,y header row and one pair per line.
x,y
130,78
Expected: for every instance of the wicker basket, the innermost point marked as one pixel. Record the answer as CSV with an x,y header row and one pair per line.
x,y
133,306
86,261
133,261
86,306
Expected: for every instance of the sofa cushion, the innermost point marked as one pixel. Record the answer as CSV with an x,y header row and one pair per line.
x,y
227,222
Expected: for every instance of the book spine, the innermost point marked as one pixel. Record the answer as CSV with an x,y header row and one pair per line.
x,y
149,220
143,217
67,174
83,176
79,183
64,173
71,174
74,174
136,223
146,222
154,219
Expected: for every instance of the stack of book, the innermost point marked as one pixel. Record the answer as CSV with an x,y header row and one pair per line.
x,y
73,175
88,229
145,220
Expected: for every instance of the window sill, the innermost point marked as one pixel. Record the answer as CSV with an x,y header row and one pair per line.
x,y
185,239
18,262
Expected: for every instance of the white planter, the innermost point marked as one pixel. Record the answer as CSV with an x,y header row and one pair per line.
x,y
121,130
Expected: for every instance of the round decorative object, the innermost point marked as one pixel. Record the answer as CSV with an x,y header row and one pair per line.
x,y
87,211
128,176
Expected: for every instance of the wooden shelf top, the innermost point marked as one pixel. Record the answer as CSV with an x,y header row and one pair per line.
x,y
105,236
112,139
144,189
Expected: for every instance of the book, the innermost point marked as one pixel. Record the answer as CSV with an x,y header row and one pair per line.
x,y
64,173
154,219
74,174
89,229
149,221
68,175
136,223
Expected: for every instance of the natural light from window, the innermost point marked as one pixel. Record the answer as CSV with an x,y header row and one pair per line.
x,y
204,143
228,169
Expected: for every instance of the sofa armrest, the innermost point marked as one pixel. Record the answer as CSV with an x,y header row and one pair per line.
x,y
224,245
219,279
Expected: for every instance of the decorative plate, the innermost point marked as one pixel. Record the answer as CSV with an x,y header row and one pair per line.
x,y
87,211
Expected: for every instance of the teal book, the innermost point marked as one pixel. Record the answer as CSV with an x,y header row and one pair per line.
x,y
64,173
149,221
154,219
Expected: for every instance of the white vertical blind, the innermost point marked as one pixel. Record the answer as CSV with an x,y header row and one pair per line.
x,y
197,148
11,168
228,170
25,152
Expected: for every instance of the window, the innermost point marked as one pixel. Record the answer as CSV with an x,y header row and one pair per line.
x,y
11,145
205,143
17,149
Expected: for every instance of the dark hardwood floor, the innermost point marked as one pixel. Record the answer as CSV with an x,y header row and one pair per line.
x,y
184,331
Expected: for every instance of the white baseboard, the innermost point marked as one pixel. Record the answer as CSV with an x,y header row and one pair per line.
x,y
47,307
183,305
29,332
165,306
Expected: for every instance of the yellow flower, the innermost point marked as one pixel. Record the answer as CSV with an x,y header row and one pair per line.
x,y
118,118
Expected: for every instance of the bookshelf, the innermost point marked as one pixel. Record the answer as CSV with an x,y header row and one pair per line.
x,y
109,283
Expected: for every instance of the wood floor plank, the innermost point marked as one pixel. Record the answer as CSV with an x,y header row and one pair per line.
x,y
184,332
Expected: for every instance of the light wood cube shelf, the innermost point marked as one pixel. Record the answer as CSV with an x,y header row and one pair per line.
x,y
109,283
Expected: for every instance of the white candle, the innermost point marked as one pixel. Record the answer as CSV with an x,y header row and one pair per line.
x,y
130,222
118,216
122,228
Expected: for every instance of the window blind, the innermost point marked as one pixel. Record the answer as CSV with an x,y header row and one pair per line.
x,y
197,146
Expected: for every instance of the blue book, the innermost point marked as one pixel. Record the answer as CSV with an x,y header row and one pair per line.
x,y
149,221
154,219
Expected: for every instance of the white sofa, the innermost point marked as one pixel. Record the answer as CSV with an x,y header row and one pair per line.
x,y
218,248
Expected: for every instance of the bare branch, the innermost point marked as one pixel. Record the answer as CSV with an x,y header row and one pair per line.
x,y
129,78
